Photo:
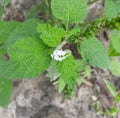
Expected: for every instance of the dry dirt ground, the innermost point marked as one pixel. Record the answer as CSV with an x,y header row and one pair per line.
x,y
38,98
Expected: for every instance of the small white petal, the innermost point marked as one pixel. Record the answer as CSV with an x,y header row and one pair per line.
x,y
59,55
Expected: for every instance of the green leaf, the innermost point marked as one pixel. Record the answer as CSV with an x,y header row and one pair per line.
x,y
115,67
80,64
5,92
83,67
69,10
61,85
34,11
1,10
112,111
51,35
53,73
112,8
2,51
26,29
93,51
112,51
6,2
29,57
87,71
111,87
6,28
115,40
67,70
117,98
75,30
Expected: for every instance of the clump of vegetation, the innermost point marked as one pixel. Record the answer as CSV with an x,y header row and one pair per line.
x,y
32,47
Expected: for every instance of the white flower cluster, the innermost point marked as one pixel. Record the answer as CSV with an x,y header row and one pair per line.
x,y
59,55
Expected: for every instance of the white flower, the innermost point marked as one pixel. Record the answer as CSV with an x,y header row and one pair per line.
x,y
60,55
